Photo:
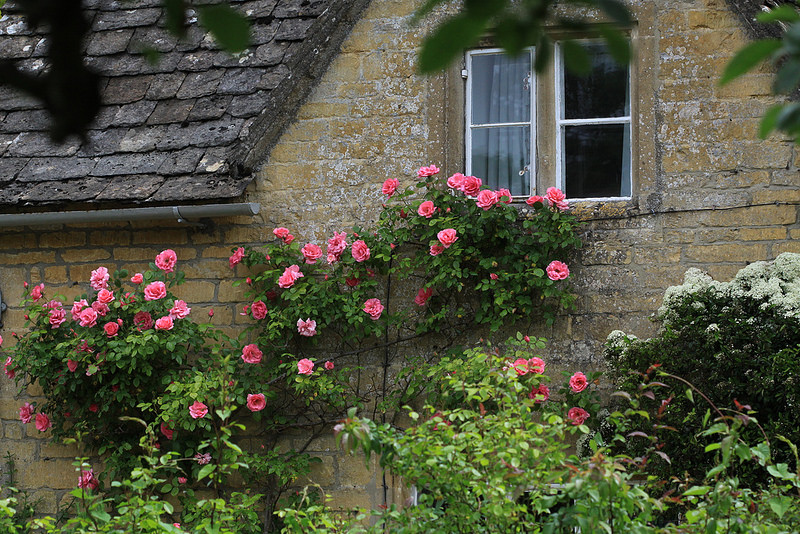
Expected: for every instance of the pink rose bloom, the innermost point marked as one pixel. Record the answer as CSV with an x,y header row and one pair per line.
x,y
88,317
534,199
536,365
436,250
311,253
503,192
336,245
578,382
179,310
540,394
281,232
198,410
471,185
72,365
93,408
166,260
389,187
203,458
100,308
329,365
10,372
307,328
181,480
422,296
77,307
258,309
374,308
112,329
99,279
447,237
137,278
57,317
557,270
305,366
360,251
167,431
26,413
493,276
456,181
426,209
236,257
557,198
164,323
42,422
577,415
256,402
143,321
155,291
36,292
251,354
86,480
289,277
520,366
424,172
486,199
105,296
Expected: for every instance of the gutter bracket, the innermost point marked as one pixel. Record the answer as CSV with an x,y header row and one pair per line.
x,y
178,217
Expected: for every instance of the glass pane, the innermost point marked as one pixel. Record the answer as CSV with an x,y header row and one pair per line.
x,y
501,90
597,161
602,93
501,156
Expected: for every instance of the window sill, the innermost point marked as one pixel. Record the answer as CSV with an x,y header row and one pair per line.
x,y
593,209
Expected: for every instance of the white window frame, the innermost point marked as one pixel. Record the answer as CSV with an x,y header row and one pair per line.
x,y
531,166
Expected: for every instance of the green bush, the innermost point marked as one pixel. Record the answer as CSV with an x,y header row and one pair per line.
x,y
738,342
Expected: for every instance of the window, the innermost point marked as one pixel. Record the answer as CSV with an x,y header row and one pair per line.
x,y
578,141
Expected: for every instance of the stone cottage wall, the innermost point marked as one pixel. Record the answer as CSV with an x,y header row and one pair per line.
x,y
706,194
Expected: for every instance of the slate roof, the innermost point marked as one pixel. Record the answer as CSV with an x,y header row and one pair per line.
x,y
188,128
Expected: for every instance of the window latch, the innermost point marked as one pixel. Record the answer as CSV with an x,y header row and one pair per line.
x,y
525,169
464,73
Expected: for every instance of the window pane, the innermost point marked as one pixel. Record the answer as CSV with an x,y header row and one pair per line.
x,y
499,155
602,93
597,161
501,89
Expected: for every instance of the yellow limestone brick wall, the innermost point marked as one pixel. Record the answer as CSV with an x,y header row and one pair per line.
x,y
707,194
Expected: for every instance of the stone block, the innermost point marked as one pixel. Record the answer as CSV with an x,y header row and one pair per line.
x,y
92,255
725,253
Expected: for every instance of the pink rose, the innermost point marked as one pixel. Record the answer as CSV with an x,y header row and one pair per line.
x,y
471,185
166,260
329,365
540,394
289,277
181,480
307,328
536,365
86,480
534,199
520,365
373,308
305,366
137,278
422,296
360,251
486,199
557,198
578,382
456,181
436,250
42,422
77,307
493,276
100,308
57,317
258,309
167,431
503,192
336,245
251,354
72,365
236,257
351,281
93,407
88,317
389,187
426,209
26,413
311,253
203,458
105,296
143,321
577,415
164,323
447,237
10,372
198,410
179,310
281,232
99,279
155,291
557,270
36,292
256,402
112,329
424,172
